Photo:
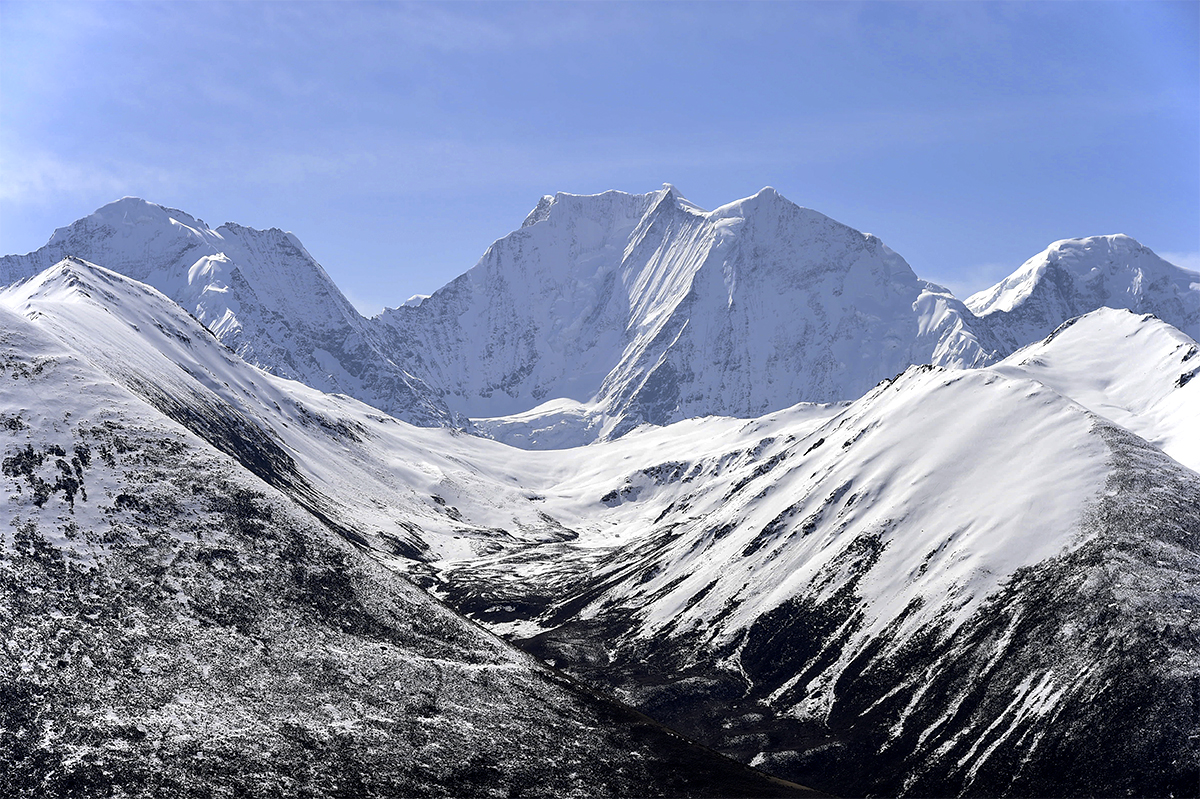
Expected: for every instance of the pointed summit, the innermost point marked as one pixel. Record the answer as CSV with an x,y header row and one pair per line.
x,y
540,211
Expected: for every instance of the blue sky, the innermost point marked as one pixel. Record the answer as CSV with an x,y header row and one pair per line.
x,y
399,140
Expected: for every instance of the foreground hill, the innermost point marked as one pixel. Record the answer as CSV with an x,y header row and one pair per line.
x,y
965,582
175,623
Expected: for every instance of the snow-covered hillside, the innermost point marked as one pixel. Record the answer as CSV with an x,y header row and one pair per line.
x,y
258,291
175,624
949,585
1136,371
1074,276
963,583
414,493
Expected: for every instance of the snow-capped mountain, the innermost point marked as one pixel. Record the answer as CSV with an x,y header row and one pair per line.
x,y
649,309
258,291
173,622
608,311
1074,276
972,576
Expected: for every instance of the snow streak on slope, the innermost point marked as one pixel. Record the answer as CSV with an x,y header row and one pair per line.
x,y
1074,276
173,625
259,291
1136,371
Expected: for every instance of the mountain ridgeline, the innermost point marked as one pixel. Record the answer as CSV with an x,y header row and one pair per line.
x,y
604,312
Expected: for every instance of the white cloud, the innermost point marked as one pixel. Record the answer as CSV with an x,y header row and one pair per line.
x,y
1188,260
971,279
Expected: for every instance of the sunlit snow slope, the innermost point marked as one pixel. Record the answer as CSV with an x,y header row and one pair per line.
x,y
1136,371
965,580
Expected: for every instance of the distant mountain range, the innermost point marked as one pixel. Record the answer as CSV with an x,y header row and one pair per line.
x,y
605,312
771,490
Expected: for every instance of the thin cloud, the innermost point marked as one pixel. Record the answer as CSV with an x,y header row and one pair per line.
x,y
973,279
1188,260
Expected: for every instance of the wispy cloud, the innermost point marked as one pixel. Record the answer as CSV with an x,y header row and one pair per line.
x,y
44,178
1188,260
972,279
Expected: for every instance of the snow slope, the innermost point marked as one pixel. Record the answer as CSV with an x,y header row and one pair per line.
x,y
1074,276
174,624
259,291
1136,371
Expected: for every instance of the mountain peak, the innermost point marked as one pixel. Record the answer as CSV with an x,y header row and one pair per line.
x,y
765,199
1075,276
1113,242
540,211
130,211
